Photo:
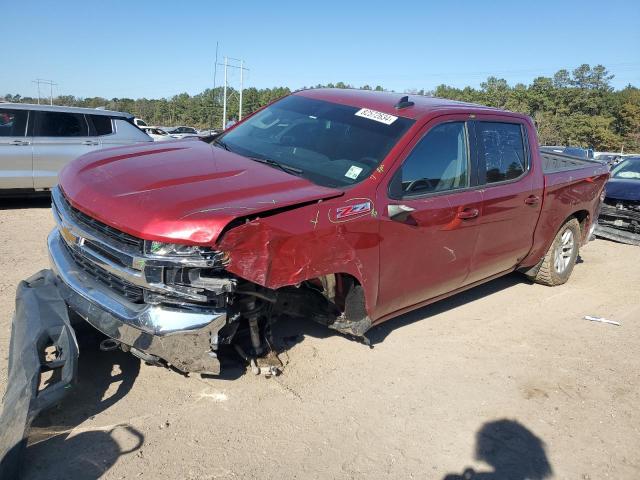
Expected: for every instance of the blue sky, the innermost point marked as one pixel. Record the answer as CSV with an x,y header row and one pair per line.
x,y
158,48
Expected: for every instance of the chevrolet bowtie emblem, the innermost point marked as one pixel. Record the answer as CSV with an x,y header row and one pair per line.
x,y
70,237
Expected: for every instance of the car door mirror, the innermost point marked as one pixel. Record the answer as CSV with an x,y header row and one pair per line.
x,y
399,213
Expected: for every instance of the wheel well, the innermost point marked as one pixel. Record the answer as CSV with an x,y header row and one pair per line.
x,y
583,219
336,286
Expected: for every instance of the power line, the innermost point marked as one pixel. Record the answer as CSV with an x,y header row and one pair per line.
x,y
39,81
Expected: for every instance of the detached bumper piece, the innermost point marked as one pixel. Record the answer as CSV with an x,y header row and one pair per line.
x,y
43,359
619,220
617,235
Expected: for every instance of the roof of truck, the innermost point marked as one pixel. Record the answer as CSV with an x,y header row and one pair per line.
x,y
58,108
386,102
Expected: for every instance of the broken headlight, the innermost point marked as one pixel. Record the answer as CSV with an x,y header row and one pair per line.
x,y
187,255
174,249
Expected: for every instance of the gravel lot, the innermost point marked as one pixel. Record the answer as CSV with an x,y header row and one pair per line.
x,y
507,376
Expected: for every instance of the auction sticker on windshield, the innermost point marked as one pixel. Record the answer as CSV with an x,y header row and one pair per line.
x,y
353,172
377,116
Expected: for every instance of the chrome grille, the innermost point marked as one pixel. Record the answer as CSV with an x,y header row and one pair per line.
x,y
132,292
118,261
92,223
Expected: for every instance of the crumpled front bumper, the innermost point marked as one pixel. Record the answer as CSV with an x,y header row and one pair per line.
x,y
40,322
185,338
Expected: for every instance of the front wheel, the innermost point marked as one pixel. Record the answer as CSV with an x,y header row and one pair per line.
x,y
557,265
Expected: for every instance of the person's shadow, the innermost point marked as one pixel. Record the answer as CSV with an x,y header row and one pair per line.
x,y
513,451
57,449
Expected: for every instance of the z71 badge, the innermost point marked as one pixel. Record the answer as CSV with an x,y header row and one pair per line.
x,y
353,210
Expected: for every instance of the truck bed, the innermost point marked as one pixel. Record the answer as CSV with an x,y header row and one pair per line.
x,y
559,162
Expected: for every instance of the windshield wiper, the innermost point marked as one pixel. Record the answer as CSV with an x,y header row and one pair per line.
x,y
268,161
222,144
281,166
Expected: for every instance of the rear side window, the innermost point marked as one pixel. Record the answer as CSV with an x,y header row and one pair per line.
x,y
13,123
439,162
101,124
61,124
502,151
126,130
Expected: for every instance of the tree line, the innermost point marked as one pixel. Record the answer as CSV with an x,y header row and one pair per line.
x,y
578,108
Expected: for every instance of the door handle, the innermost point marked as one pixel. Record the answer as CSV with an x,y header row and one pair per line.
x,y
21,142
399,212
90,142
468,213
532,200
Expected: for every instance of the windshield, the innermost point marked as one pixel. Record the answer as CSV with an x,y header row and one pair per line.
x,y
330,144
627,169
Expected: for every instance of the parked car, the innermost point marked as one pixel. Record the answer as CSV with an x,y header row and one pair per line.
x,y
157,133
342,206
586,153
610,158
138,122
619,218
207,132
182,132
36,141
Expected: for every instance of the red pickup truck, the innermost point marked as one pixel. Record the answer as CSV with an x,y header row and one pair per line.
x,y
346,207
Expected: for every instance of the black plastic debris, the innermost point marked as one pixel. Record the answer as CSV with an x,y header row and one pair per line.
x,y
43,358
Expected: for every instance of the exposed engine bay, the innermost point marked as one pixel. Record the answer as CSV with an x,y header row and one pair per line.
x,y
333,301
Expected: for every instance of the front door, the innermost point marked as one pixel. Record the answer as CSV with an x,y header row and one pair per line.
x,y
16,168
428,230
59,137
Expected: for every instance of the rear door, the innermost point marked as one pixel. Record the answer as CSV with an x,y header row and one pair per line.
x,y
16,155
59,137
512,190
428,228
101,126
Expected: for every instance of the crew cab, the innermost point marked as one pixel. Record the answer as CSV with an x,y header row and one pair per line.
x,y
342,206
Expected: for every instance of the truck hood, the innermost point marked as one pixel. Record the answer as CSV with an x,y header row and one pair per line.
x,y
623,189
185,191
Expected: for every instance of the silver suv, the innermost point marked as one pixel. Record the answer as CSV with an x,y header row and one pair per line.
x,y
36,141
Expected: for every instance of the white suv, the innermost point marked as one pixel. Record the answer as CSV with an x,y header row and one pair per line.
x,y
36,141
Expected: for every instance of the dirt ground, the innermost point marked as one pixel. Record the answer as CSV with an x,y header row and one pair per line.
x,y
506,378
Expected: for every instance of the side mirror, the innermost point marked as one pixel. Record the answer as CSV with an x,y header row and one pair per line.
x,y
399,213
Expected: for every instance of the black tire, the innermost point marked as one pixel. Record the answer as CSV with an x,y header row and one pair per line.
x,y
557,265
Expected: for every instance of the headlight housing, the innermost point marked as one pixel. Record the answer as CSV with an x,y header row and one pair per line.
x,y
174,249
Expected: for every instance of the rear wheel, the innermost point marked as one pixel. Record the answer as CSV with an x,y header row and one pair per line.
x,y
557,265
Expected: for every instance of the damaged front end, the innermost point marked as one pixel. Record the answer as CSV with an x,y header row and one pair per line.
x,y
619,220
178,305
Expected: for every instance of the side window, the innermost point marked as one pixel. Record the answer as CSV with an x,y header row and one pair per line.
x,y
439,162
128,131
502,152
101,124
61,124
13,123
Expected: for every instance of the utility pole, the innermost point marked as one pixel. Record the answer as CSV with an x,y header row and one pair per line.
x,y
224,94
215,72
39,81
240,107
242,68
